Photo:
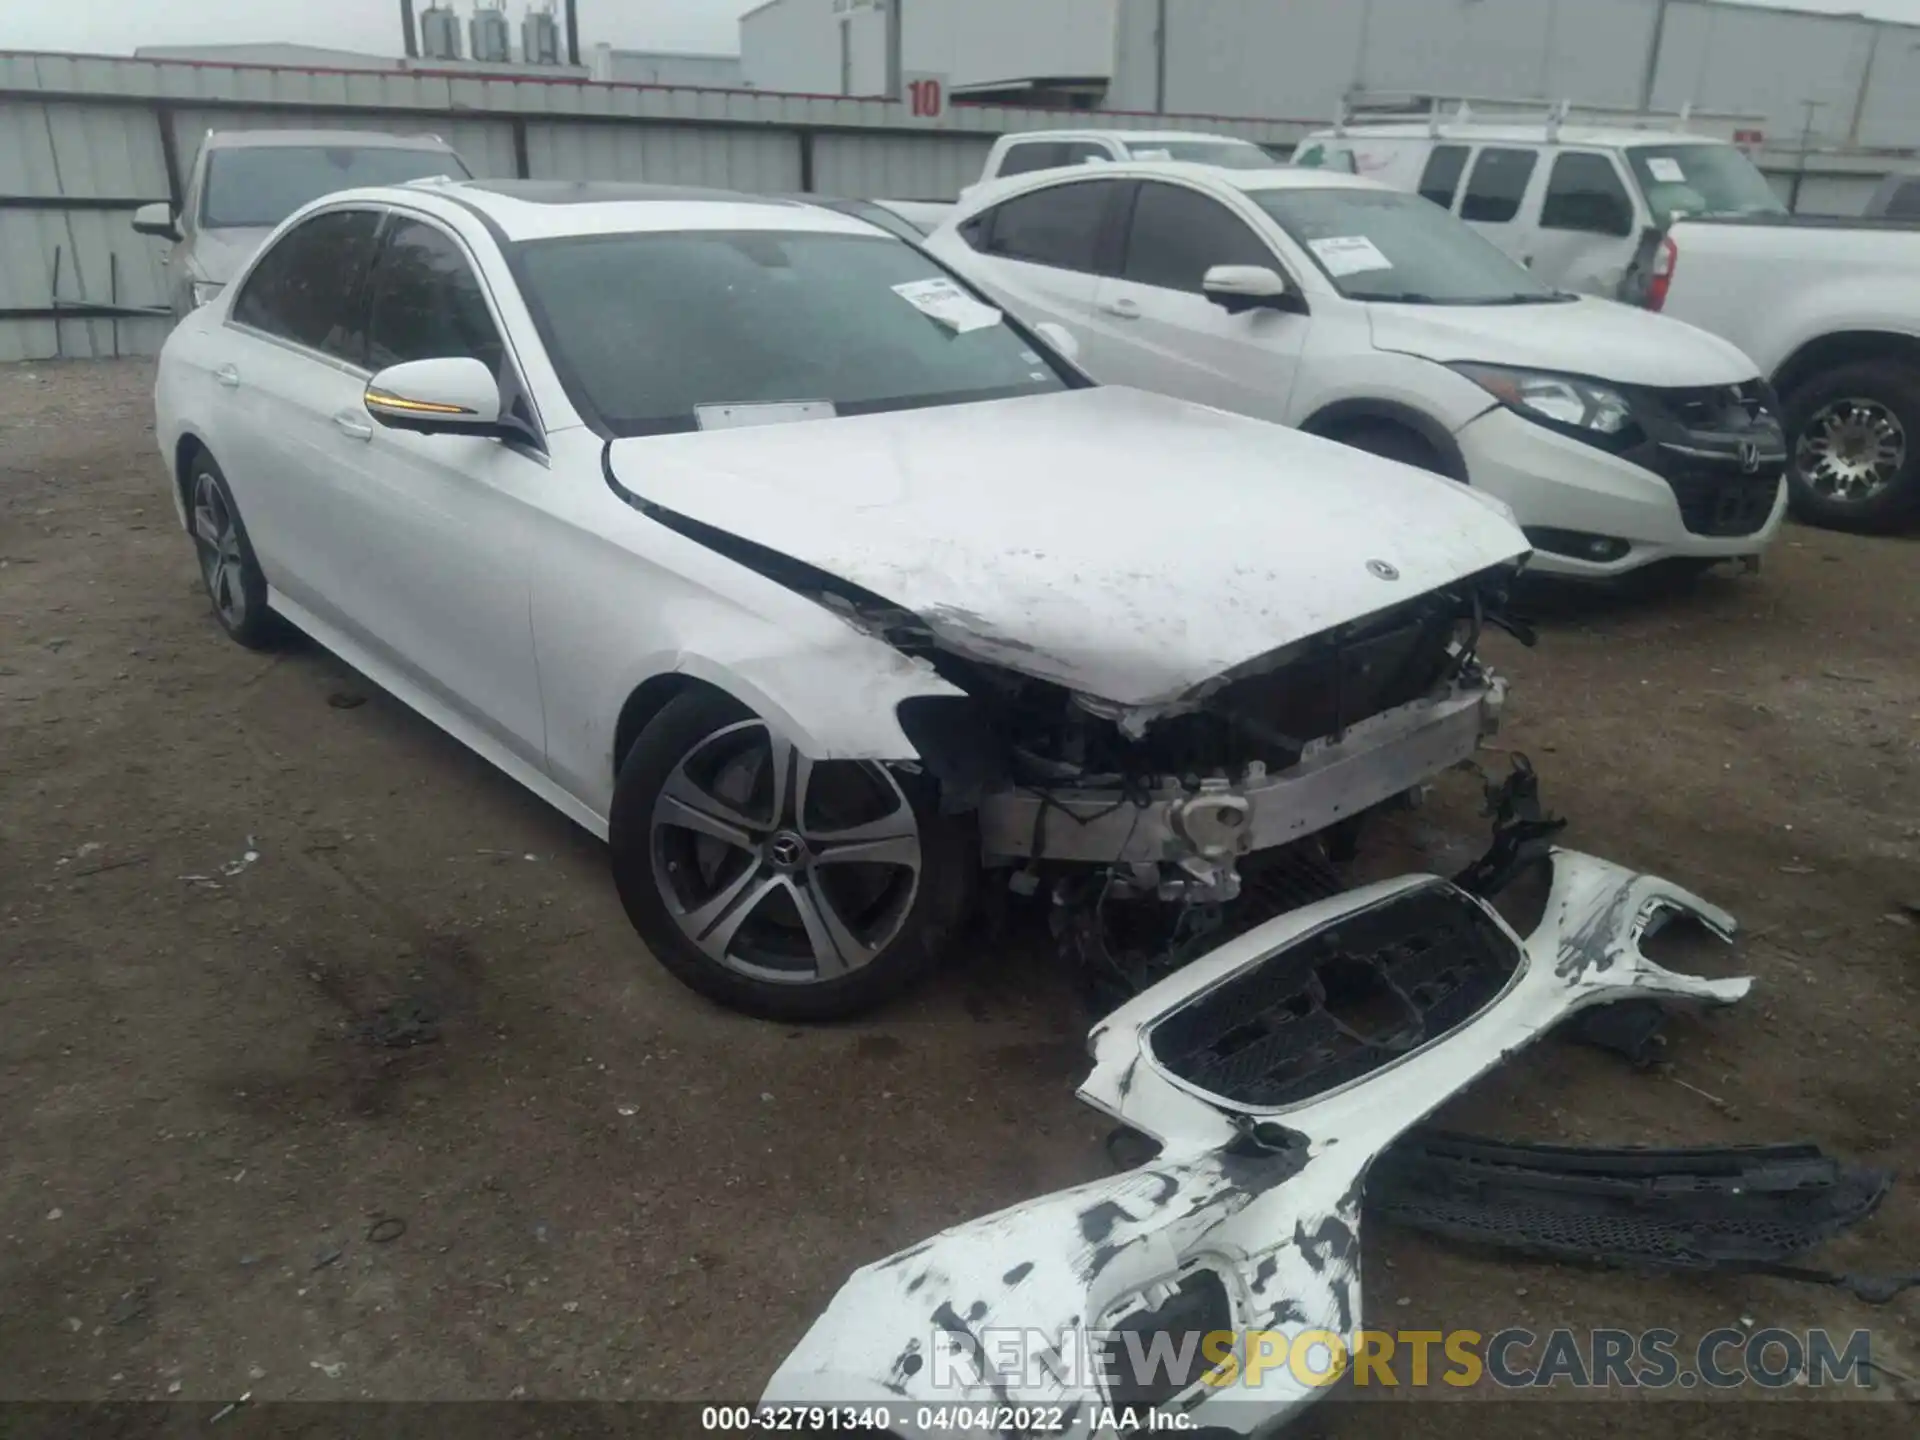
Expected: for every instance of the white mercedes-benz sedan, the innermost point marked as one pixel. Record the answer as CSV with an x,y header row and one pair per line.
x,y
762,546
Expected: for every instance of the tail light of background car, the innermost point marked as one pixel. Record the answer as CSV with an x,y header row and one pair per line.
x,y
1661,280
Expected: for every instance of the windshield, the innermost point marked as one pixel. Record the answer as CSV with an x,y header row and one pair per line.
x,y
262,185
1227,154
1386,245
646,329
1701,180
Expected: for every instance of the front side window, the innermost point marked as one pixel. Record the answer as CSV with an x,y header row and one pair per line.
x,y
647,328
1701,180
1389,246
1058,226
1498,185
310,288
260,185
1442,176
427,302
1584,192
1178,234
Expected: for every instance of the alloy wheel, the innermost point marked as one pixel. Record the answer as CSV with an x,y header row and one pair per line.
x,y
1851,450
216,536
781,867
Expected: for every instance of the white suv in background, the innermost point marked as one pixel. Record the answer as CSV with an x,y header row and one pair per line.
x,y
1327,302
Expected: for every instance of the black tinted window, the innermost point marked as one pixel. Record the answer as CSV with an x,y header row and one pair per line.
x,y
310,287
1442,175
1585,192
262,185
1046,154
427,302
1178,233
1035,155
1499,181
1905,204
1056,226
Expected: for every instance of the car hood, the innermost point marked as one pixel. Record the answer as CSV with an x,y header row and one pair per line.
x,y
219,255
1588,336
1123,544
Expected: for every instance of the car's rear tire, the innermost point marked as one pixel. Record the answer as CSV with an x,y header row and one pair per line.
x,y
1854,447
786,888
231,573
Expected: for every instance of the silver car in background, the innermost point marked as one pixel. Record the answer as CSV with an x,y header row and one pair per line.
x,y
245,182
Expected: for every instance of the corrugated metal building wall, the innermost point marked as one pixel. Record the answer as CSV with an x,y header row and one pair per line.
x,y
83,140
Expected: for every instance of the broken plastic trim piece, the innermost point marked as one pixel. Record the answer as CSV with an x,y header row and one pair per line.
x,y
1728,1207
1264,1198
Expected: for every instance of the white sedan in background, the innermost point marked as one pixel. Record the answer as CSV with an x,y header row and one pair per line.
x,y
1619,437
761,546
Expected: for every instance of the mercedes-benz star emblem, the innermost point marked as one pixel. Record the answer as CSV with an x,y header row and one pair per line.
x,y
1381,570
786,851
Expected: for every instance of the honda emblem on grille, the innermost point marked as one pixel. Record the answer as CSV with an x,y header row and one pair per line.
x,y
1749,457
1381,570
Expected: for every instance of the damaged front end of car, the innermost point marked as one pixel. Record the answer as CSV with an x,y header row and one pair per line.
x,y
1272,1073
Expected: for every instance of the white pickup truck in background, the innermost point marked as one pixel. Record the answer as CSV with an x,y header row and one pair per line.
x,y
1028,150
1683,222
1829,309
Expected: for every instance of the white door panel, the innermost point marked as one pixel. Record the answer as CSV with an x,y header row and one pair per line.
x,y
1183,344
428,539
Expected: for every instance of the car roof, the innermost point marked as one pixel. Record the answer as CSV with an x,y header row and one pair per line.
x,y
289,139
1602,136
1132,136
546,209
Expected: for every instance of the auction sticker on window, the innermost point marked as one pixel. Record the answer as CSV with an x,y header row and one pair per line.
x,y
945,303
1666,170
1349,255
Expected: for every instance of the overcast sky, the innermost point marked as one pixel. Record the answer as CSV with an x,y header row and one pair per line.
x,y
116,26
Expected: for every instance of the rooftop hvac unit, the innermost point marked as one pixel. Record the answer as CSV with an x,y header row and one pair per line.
x,y
439,33
540,37
489,30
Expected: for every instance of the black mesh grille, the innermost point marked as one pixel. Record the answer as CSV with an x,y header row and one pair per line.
x,y
1712,502
1341,1003
1674,1209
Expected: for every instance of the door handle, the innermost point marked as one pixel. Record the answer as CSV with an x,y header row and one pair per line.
x,y
347,423
1122,309
228,376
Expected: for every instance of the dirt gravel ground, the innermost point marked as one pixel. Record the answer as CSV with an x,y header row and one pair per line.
x,y
331,1069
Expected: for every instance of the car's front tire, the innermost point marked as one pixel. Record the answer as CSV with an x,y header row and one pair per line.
x,y
228,568
1854,461
784,887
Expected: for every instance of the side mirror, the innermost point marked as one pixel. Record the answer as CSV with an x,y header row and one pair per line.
x,y
1236,288
1060,337
455,395
156,219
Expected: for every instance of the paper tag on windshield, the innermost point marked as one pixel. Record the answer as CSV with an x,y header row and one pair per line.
x,y
776,412
1666,171
945,303
1349,255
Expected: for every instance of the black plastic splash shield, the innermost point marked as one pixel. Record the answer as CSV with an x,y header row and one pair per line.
x,y
1733,1207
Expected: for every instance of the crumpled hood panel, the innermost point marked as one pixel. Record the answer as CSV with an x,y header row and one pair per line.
x,y
1589,336
1273,1214
1120,543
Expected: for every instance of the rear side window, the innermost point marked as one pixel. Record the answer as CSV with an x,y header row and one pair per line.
x,y
1442,175
1585,192
427,302
1177,234
1058,226
310,288
1498,184
1046,154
